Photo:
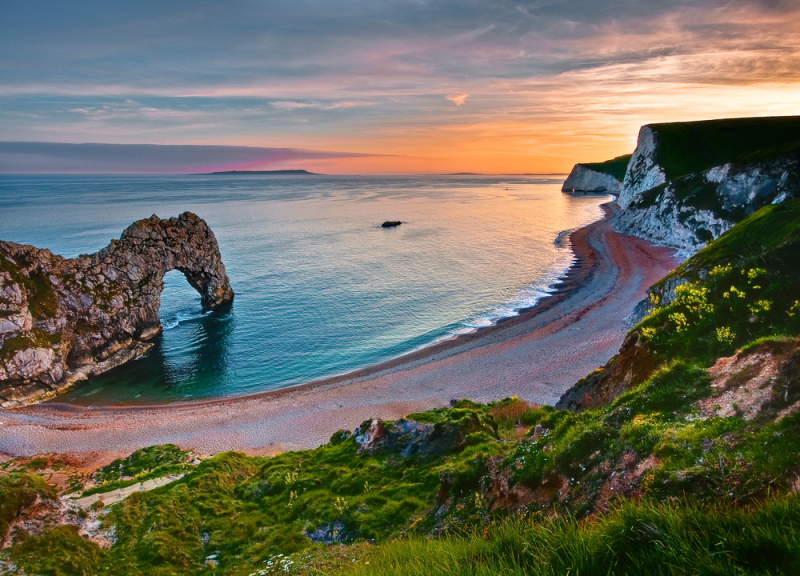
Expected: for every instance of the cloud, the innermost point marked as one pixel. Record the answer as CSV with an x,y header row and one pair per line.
x,y
291,105
48,157
457,99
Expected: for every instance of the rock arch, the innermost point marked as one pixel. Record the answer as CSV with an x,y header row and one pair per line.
x,y
64,319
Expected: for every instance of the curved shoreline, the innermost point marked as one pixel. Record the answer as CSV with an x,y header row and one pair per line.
x,y
536,355
570,280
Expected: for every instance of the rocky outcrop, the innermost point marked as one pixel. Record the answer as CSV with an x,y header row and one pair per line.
x,y
409,438
688,212
62,320
584,179
423,441
633,365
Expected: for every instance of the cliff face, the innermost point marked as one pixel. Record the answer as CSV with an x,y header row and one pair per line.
x,y
597,177
687,183
584,179
643,171
688,212
62,320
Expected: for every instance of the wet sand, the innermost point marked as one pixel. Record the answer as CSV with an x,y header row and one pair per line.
x,y
536,355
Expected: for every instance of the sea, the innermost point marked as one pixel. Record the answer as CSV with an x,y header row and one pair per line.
x,y
322,288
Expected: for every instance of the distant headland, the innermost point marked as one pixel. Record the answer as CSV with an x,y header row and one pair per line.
x,y
263,172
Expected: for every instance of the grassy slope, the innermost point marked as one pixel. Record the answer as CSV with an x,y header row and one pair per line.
x,y
665,539
142,465
651,445
765,230
616,167
688,147
743,286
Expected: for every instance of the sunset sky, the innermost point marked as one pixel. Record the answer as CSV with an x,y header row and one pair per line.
x,y
371,86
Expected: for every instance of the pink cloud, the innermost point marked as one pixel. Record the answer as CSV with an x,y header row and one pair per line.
x,y
457,99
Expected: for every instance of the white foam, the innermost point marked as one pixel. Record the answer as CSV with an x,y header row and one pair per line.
x,y
524,299
560,239
175,320
529,296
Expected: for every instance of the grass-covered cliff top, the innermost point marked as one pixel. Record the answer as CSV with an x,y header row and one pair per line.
x,y
616,167
689,147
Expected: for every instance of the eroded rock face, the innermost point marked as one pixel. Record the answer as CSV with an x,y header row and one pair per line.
x,y
584,179
62,320
688,212
633,365
643,171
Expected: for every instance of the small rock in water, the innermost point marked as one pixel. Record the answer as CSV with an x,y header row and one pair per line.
x,y
391,224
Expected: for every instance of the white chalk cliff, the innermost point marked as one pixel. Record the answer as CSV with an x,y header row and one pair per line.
x,y
688,212
584,179
643,171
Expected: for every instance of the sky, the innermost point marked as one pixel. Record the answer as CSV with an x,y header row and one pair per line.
x,y
377,86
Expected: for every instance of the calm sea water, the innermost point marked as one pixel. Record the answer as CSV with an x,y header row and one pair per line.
x,y
321,288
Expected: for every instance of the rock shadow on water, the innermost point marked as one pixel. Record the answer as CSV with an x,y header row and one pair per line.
x,y
187,362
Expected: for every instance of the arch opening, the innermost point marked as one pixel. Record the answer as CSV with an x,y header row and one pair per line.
x,y
179,300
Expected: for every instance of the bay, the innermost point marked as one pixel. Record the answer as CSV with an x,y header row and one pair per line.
x,y
321,288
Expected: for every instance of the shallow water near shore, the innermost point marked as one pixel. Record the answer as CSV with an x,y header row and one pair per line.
x,y
321,288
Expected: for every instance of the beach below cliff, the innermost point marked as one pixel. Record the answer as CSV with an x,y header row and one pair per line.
x,y
536,356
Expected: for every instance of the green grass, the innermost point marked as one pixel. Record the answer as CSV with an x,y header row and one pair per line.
x,y
763,231
743,286
245,510
142,465
19,490
679,538
242,512
60,552
652,538
689,147
616,167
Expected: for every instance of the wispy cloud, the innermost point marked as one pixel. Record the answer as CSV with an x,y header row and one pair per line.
x,y
293,105
457,99
289,105
44,157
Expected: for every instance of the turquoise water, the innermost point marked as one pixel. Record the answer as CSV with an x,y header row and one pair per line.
x,y
321,288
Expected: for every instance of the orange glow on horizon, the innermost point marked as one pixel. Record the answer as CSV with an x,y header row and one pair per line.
x,y
476,100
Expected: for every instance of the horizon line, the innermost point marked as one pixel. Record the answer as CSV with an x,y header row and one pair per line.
x,y
265,173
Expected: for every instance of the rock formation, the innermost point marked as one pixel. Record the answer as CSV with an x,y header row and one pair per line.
x,y
62,320
643,172
687,183
584,179
688,212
